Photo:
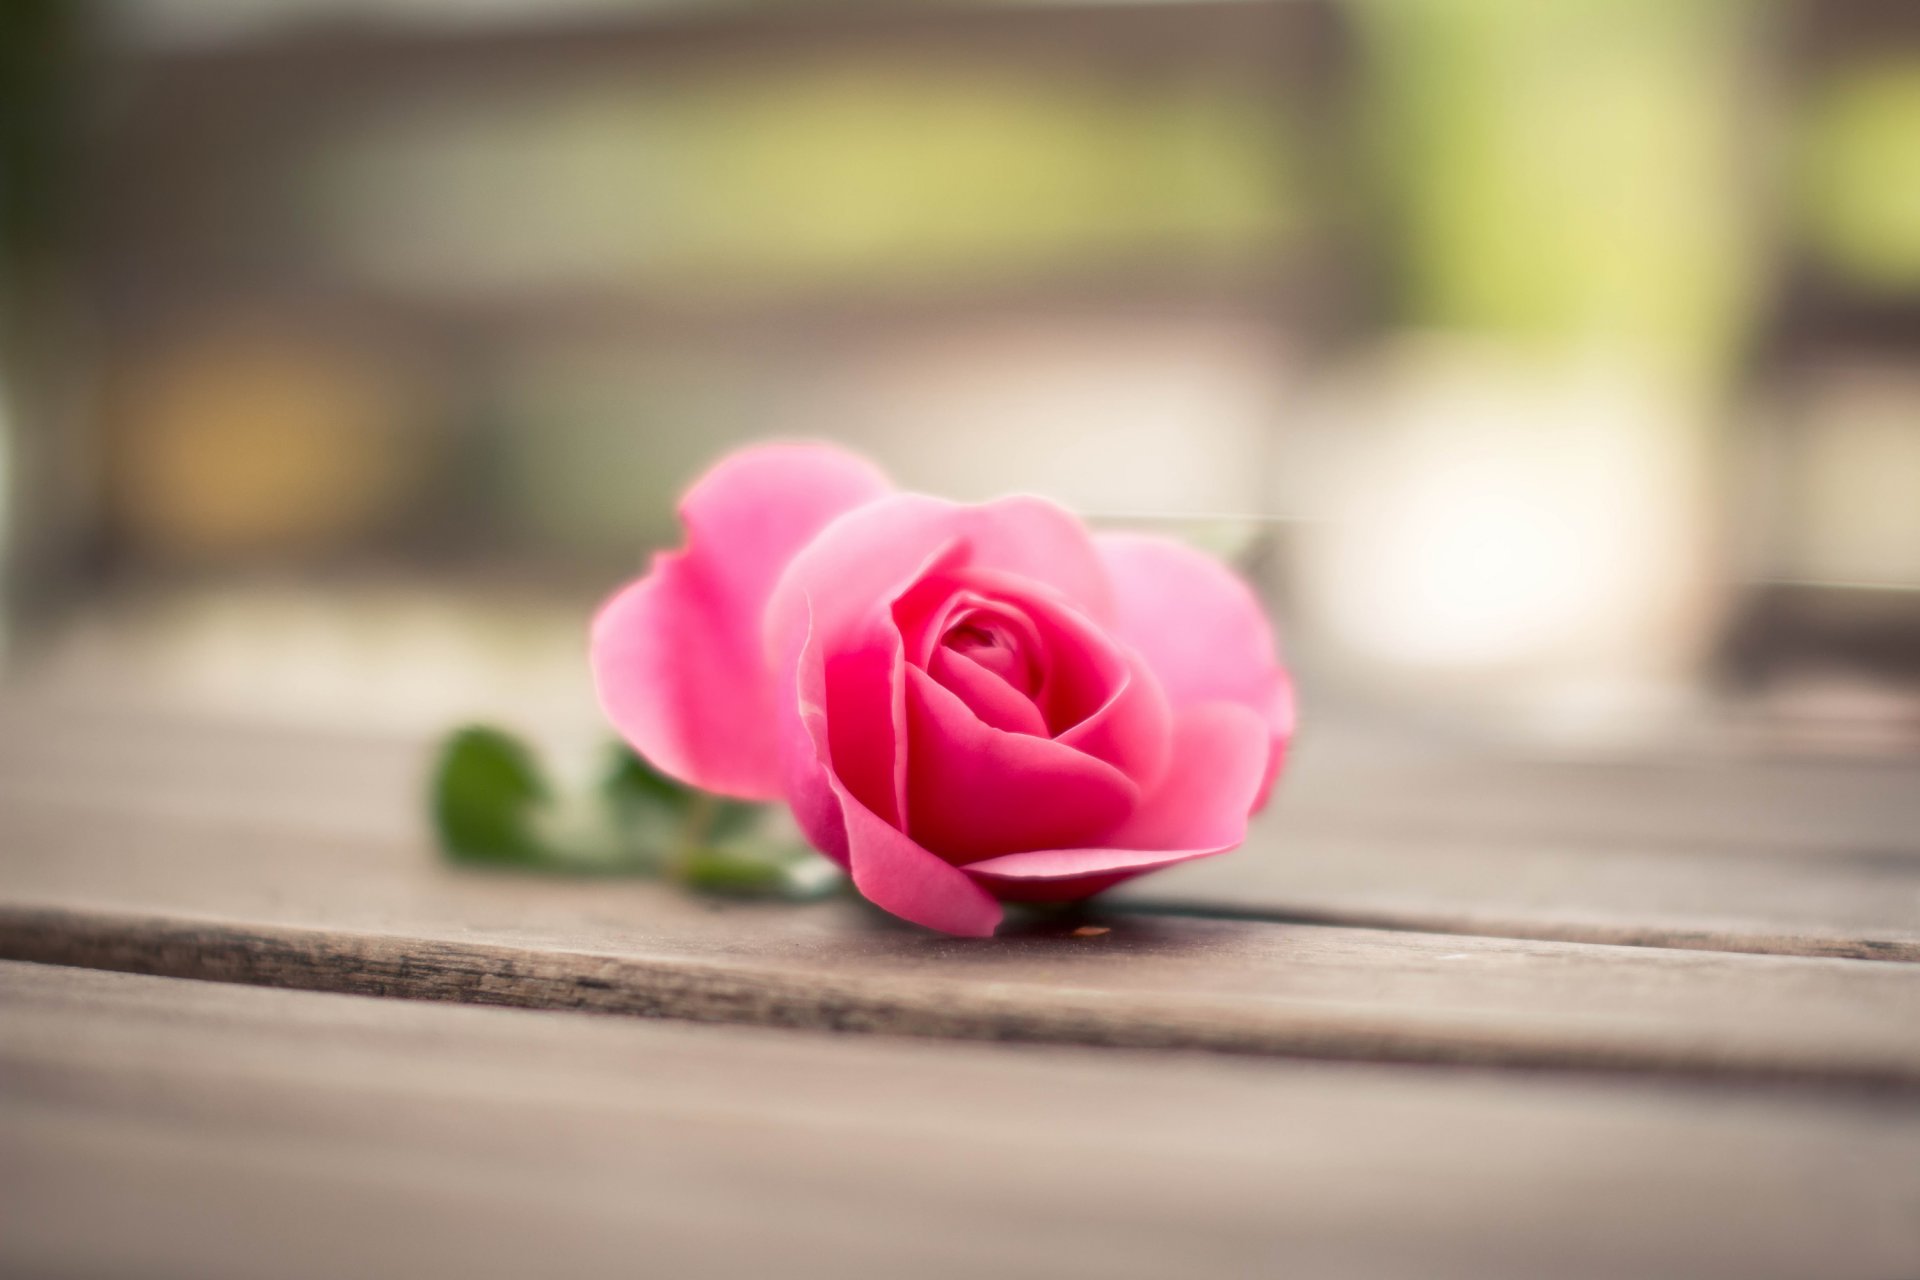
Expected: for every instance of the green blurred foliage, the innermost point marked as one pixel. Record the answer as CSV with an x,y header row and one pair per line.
x,y
41,42
834,175
1859,175
1565,169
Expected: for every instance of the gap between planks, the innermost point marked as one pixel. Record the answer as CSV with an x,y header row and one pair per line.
x,y
1732,939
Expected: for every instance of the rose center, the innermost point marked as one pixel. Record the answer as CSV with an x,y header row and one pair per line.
x,y
994,647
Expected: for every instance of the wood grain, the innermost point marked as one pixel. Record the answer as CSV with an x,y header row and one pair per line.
x,y
172,1128
293,861
1723,850
1555,889
1719,793
1228,986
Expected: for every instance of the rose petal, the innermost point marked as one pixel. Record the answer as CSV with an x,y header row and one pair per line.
x,y
1097,696
848,713
1201,630
1200,808
1132,732
987,695
887,867
677,656
975,791
1072,889
810,793
928,610
894,873
1034,539
835,598
1210,791
1081,667
1064,864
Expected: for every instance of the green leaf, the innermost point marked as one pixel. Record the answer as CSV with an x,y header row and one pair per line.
x,y
631,782
766,858
724,872
486,791
635,787
494,806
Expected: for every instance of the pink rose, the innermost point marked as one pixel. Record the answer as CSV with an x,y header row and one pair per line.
x,y
963,705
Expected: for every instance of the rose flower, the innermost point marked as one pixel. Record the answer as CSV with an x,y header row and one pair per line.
x,y
963,705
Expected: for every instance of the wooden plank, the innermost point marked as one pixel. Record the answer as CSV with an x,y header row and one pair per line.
x,y
1816,857
1223,986
264,905
1719,850
1716,794
1556,889
1861,809
229,858
195,1129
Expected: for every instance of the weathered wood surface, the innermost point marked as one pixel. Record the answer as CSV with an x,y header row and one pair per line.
x,y
156,1127
1558,889
1715,851
296,862
1719,849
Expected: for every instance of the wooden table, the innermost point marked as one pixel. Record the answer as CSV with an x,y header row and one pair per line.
x,y
1451,1013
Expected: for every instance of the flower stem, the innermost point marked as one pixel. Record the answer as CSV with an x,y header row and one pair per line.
x,y
702,809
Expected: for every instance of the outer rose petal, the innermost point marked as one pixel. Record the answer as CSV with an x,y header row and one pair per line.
x,y
677,656
1201,630
894,873
1200,808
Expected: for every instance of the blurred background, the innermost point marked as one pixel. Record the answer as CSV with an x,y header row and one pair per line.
x,y
1555,367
